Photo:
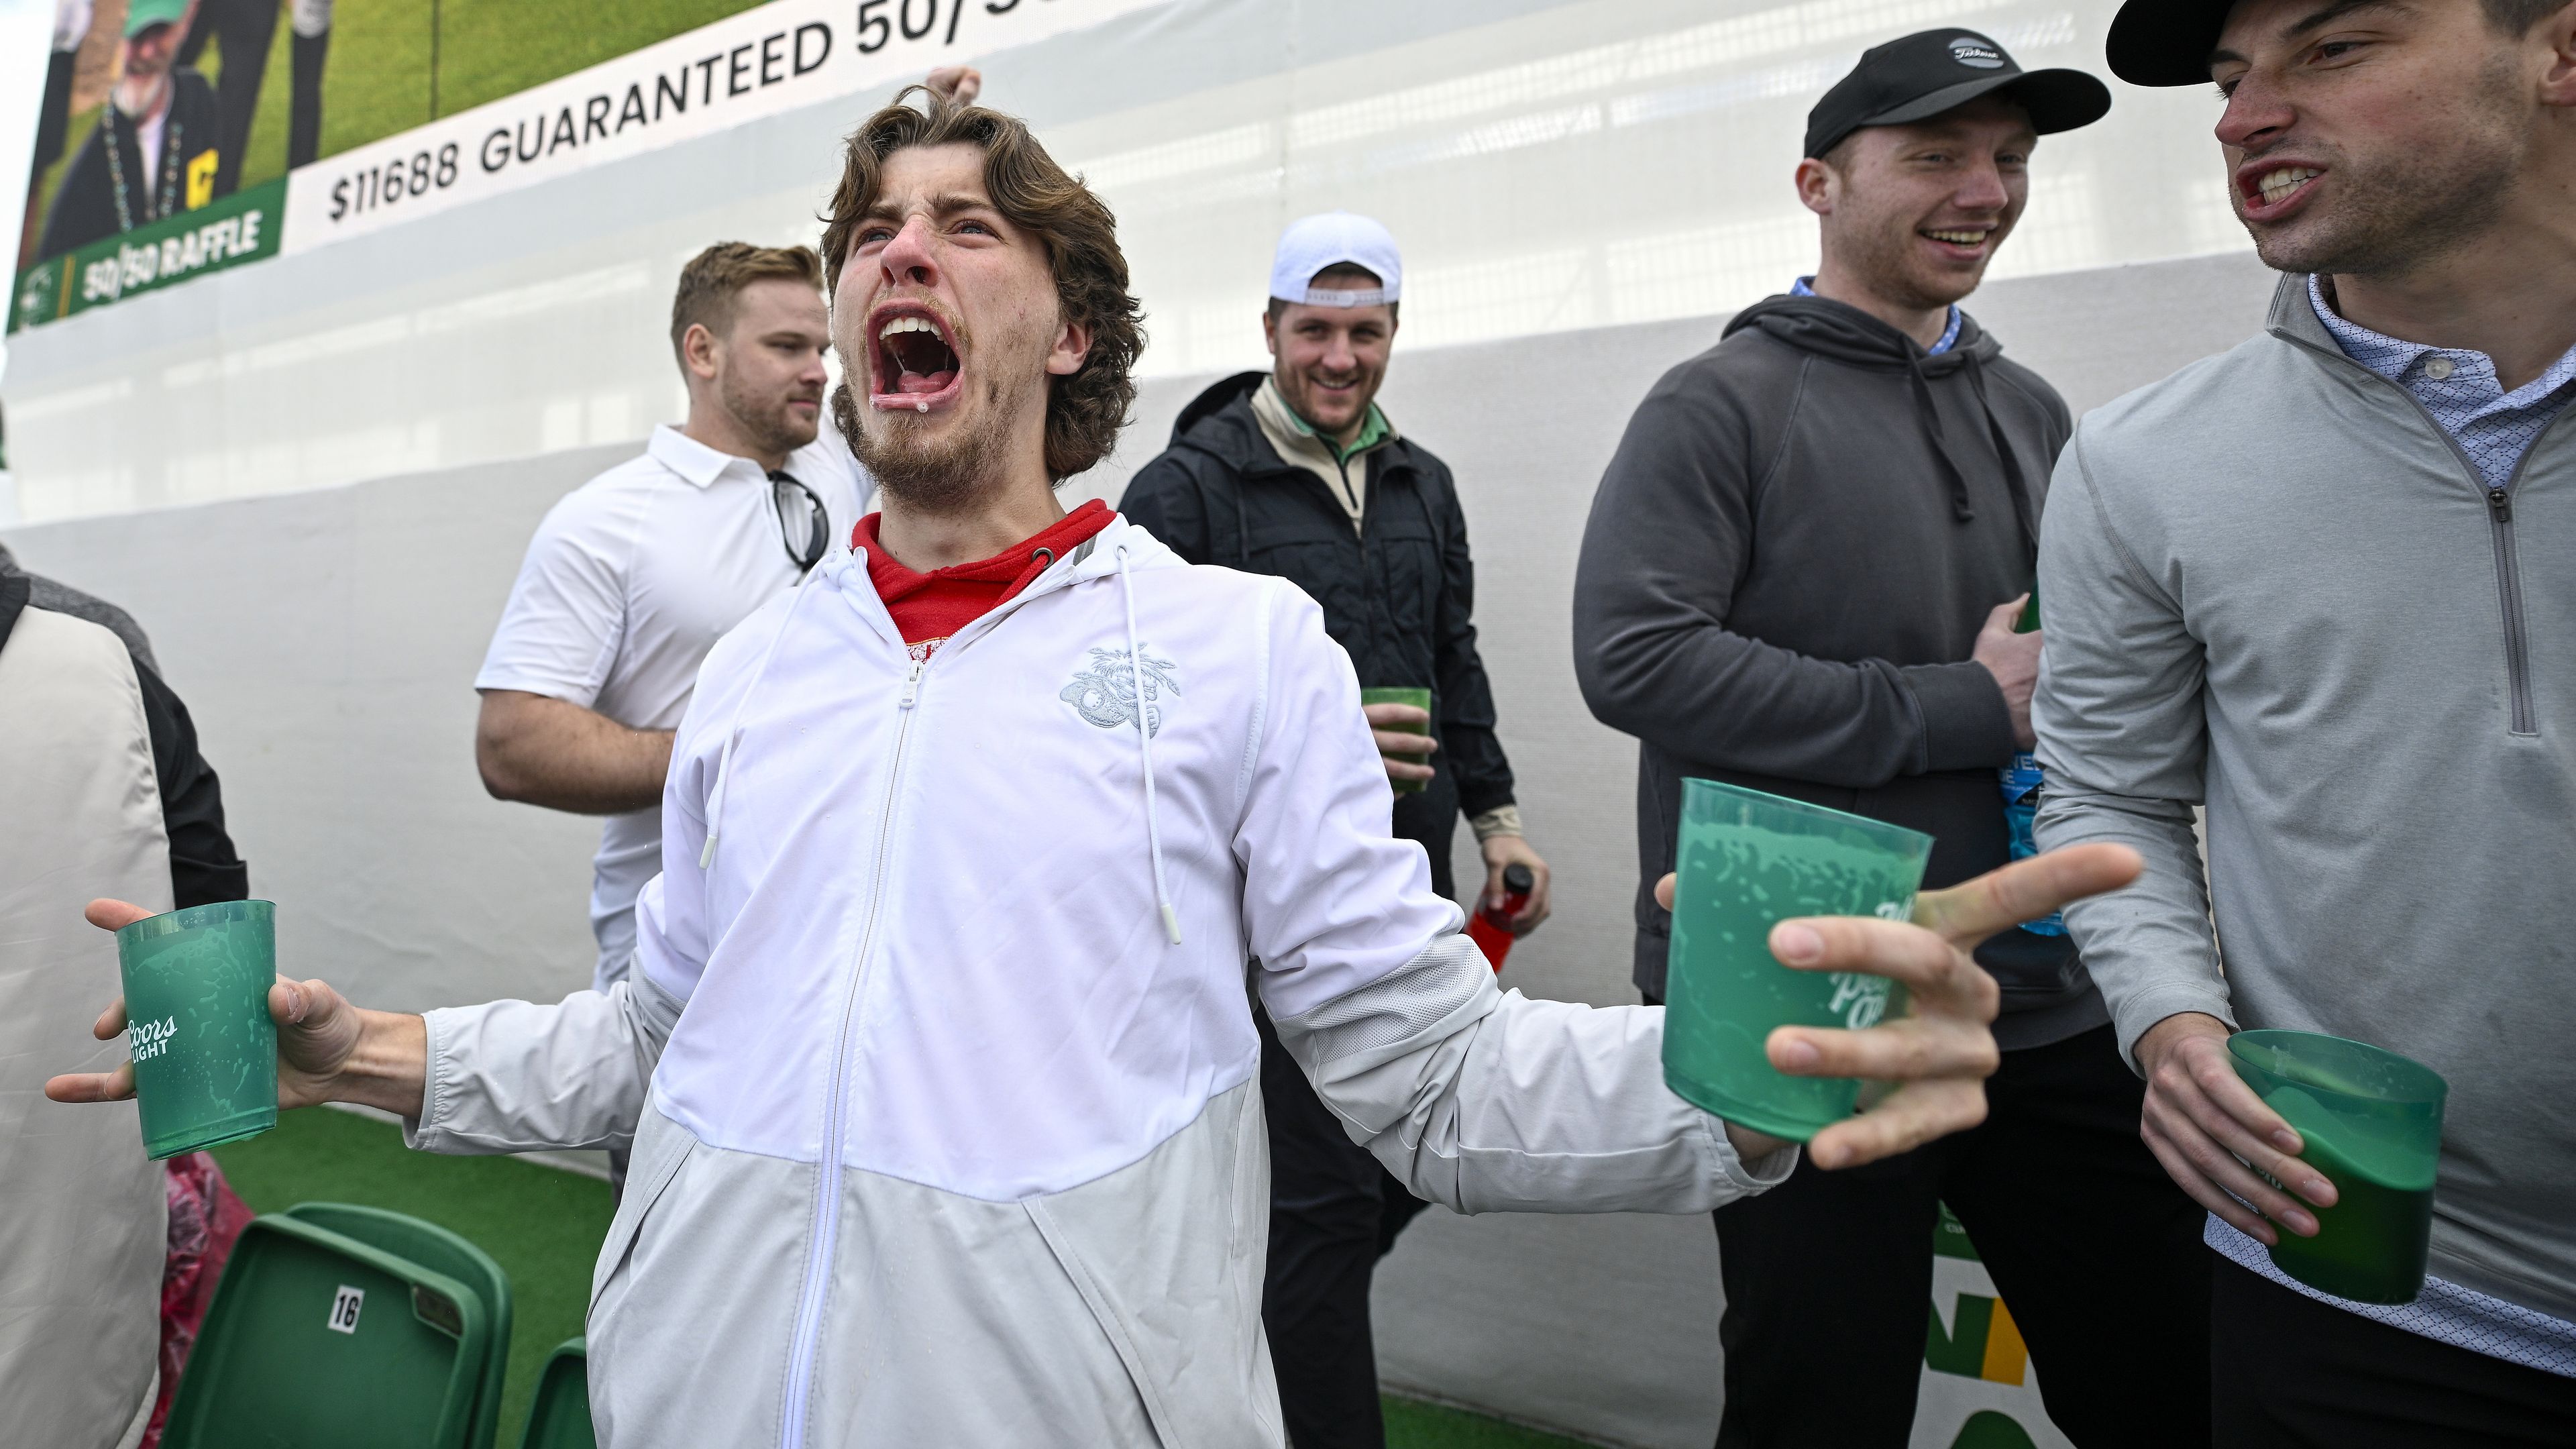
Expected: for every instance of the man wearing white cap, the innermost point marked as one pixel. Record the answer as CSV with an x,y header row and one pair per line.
x,y
1297,472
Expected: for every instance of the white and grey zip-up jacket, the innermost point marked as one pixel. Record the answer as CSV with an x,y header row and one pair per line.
x,y
939,1059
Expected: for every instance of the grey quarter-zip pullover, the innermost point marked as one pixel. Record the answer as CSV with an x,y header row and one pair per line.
x,y
2276,587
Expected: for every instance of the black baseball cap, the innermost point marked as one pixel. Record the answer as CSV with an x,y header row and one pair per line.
x,y
1932,71
2165,42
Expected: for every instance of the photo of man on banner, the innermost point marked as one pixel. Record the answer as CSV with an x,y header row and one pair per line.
x,y
156,147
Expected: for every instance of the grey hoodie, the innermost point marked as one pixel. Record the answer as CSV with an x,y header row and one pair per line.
x,y
1784,573
2275,586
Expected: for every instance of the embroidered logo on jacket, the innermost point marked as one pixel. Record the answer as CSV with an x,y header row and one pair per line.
x,y
1105,692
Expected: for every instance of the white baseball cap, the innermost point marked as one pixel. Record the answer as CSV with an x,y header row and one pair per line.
x,y
1314,243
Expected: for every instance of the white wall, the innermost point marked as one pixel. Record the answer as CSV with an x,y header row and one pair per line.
x,y
1551,167
326,642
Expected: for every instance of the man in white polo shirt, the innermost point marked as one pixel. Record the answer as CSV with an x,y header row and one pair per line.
x,y
634,575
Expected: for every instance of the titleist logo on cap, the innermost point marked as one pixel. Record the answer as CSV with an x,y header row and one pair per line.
x,y
1969,51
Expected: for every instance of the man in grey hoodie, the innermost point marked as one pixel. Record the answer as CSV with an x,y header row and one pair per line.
x,y
2321,584
1801,575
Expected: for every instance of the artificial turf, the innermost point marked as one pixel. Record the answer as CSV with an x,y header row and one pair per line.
x,y
544,1226
1412,1424
380,79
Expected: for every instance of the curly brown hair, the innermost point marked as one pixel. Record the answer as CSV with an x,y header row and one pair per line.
x,y
1085,410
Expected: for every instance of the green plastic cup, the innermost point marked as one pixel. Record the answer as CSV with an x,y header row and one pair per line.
x,y
1420,699
196,1007
2372,1123
1749,861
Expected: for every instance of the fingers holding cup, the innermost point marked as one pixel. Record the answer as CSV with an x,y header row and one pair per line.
x,y
113,1086
1907,1118
109,914
1937,976
1927,1066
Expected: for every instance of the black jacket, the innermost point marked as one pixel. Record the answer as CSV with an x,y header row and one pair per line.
x,y
1398,596
84,209
1782,580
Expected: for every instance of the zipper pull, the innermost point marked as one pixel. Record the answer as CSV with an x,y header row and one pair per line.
x,y
912,683
2501,504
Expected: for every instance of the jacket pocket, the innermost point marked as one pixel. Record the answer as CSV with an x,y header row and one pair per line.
x,y
1251,1205
662,1148
1112,1324
1169,1272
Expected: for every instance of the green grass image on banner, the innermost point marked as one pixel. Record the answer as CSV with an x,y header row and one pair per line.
x,y
379,77
378,80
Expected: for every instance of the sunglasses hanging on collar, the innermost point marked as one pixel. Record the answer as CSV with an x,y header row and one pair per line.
x,y
804,529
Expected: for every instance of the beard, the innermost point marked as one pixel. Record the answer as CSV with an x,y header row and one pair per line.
x,y
137,93
765,419
1300,395
918,468
2409,204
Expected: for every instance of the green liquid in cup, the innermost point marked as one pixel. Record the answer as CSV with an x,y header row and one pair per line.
x,y
1748,861
196,1007
1420,699
2371,1121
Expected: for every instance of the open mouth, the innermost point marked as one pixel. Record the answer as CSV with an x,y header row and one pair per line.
x,y
917,363
2273,190
1959,240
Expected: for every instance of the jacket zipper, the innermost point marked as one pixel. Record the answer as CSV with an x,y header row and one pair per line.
x,y
822,1248
2517,643
2521,718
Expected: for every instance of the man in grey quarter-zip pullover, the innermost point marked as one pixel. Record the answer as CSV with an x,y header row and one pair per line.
x,y
2320,584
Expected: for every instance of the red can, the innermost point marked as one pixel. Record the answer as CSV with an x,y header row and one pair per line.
x,y
1491,930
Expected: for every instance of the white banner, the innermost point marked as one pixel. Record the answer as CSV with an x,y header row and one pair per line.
x,y
1979,1389
764,61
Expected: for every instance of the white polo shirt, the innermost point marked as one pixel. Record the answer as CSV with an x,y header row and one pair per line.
x,y
628,583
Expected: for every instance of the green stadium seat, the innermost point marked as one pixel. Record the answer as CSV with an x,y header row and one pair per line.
x,y
319,1341
559,1414
440,1251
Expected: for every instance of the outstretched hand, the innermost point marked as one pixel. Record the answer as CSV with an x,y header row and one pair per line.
x,y
1936,1056
325,1046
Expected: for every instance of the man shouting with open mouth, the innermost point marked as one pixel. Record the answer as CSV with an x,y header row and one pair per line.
x,y
938,1058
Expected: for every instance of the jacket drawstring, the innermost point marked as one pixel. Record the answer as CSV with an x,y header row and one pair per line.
x,y
2003,449
1930,417
733,730
1145,748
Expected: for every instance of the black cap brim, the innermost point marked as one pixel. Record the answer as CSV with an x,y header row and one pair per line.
x,y
2165,42
2057,100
